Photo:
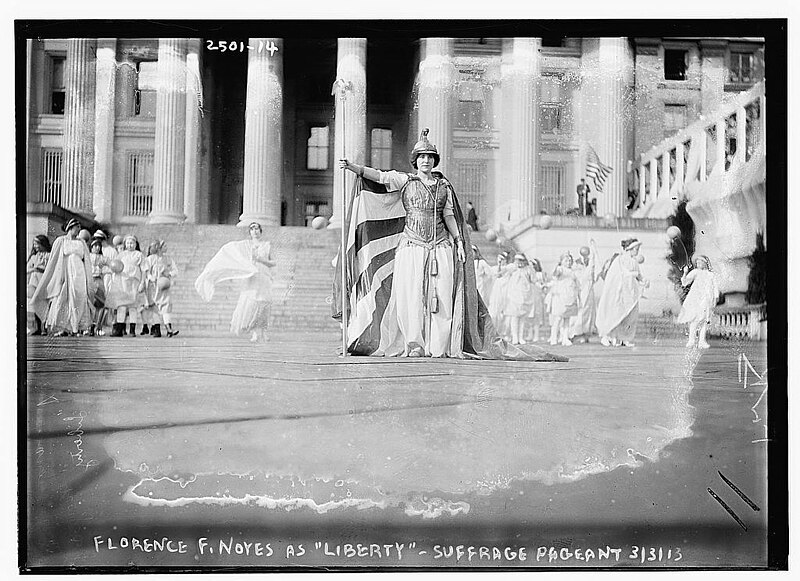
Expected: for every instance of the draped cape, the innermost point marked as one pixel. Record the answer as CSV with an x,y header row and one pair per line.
x,y
54,277
231,262
375,220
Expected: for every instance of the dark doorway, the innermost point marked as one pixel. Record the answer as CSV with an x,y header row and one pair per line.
x,y
225,107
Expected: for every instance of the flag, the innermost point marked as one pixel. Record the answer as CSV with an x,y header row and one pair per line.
x,y
596,169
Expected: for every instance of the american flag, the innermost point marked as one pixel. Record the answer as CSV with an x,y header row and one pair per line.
x,y
596,169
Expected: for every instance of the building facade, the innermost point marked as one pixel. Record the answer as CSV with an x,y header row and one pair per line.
x,y
190,130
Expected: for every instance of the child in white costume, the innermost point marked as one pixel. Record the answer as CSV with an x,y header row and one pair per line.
x,y
159,273
562,300
125,286
519,297
539,287
700,302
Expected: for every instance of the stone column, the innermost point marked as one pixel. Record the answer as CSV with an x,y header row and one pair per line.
x,y
608,94
170,149
194,106
351,119
79,126
263,149
437,83
521,80
105,113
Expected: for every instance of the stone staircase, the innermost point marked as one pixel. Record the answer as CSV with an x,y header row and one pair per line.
x,y
303,275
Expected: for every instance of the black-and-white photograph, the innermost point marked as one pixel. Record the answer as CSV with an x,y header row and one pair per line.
x,y
401,295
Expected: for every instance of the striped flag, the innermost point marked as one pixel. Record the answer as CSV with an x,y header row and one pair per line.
x,y
596,170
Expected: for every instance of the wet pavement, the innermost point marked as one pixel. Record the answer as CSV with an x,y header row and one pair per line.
x,y
214,452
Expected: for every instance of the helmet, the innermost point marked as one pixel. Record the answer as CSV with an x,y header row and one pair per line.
x,y
424,146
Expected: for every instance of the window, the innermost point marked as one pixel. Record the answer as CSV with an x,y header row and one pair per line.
x,y
51,176
144,98
674,65
553,41
381,148
57,88
674,119
741,67
139,183
317,150
472,179
552,188
551,104
314,209
471,112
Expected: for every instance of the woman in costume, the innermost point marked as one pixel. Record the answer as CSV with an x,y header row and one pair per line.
x,y
411,285
425,258
37,262
159,273
125,287
250,261
562,300
62,299
618,308
582,325
483,275
700,302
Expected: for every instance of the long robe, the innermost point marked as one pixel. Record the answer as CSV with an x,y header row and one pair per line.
x,y
62,299
618,308
702,297
375,222
584,322
240,260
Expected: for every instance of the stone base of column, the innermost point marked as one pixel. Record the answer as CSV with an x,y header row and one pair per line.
x,y
246,219
83,213
166,218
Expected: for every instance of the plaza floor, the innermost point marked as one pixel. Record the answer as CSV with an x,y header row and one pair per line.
x,y
210,451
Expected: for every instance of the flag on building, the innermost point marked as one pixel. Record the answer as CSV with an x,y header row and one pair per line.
x,y
596,170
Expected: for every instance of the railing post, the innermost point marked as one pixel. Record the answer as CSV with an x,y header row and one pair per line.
x,y
664,174
702,143
719,163
642,184
654,179
741,134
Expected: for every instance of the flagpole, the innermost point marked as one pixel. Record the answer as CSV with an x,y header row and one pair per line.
x,y
342,89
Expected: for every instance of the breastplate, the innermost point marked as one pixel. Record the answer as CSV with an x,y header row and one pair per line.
x,y
424,211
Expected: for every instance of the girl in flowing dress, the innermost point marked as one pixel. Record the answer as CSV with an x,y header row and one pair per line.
x,y
519,298
539,287
582,325
499,296
483,275
618,307
62,299
37,262
562,300
700,302
249,261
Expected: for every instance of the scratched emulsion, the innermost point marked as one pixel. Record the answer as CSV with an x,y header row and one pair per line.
x,y
468,436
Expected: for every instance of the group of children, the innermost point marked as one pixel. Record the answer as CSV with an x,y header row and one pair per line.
x,y
522,298
81,287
